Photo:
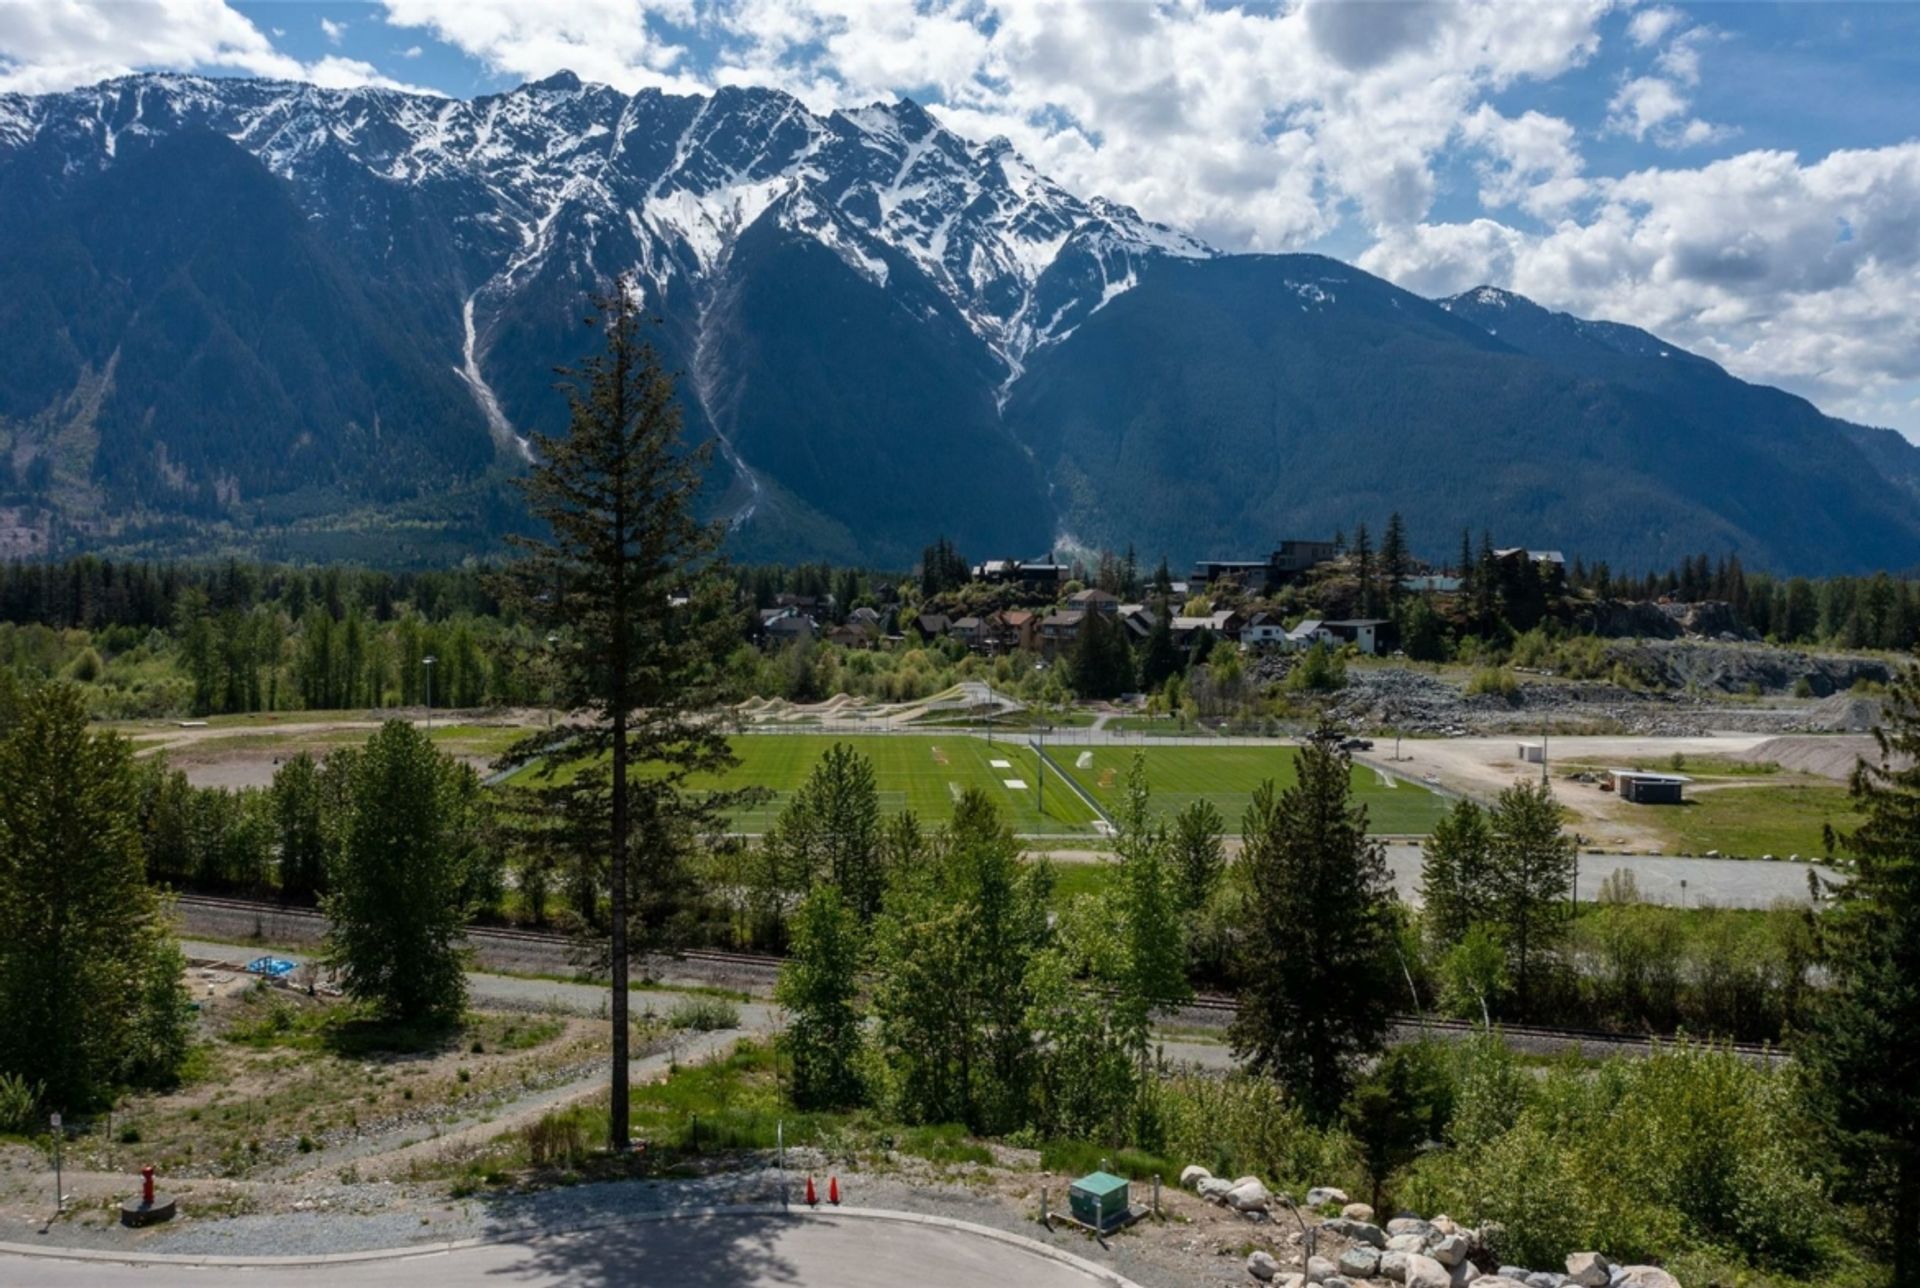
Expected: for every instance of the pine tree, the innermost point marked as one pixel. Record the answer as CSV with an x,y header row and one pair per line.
x,y
1396,561
830,831
90,989
1862,1064
1456,864
1319,956
1199,853
1159,659
618,496
299,808
1364,571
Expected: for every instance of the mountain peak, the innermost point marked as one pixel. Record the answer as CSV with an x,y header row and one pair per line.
x,y
562,81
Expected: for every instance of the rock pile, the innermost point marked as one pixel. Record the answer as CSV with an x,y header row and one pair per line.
x,y
1351,1251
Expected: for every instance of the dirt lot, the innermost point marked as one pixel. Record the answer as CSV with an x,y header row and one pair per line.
x,y
244,751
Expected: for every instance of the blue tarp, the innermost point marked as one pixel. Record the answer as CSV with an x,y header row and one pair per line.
x,y
271,967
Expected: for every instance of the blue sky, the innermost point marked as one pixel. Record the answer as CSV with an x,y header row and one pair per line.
x,y
1741,177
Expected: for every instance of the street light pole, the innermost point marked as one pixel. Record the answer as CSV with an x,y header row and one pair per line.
x,y
59,1187
428,662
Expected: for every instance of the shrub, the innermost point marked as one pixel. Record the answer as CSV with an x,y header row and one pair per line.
x,y
557,1138
18,1101
704,1015
1493,679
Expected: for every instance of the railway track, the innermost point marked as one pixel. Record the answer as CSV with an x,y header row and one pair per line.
x,y
1221,1004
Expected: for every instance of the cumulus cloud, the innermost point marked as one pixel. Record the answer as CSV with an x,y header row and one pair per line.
x,y
333,30
50,45
611,41
1782,270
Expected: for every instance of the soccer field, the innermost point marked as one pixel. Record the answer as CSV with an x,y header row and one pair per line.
x,y
927,773
1227,776
924,775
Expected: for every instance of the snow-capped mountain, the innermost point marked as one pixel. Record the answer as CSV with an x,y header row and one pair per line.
x,y
545,171
323,321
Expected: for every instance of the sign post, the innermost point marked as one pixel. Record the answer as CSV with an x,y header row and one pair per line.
x,y
59,1189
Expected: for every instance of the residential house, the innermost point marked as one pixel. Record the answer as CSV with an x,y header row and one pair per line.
x,y
1013,630
931,626
1293,559
1094,600
1225,624
1059,630
1264,630
1040,576
970,631
1251,575
1139,622
854,635
1366,634
787,626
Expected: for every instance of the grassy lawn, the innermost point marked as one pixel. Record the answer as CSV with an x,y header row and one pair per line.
x,y
923,774
1752,821
1228,776
1163,726
926,773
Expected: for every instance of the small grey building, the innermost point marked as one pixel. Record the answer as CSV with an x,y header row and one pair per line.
x,y
1646,788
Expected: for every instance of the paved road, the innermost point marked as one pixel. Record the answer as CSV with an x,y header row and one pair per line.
x,y
689,1252
1666,879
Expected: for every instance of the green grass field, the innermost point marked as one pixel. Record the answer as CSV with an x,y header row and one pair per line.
x,y
923,774
926,773
1227,776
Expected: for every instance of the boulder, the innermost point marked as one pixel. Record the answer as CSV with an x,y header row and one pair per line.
x,y
1546,1279
1357,1212
1262,1266
1647,1277
1393,1265
1192,1174
1360,1261
1589,1270
1449,1250
1465,1273
1407,1243
1248,1195
1424,1272
1337,1281
1444,1225
1213,1188
1325,1194
1368,1233
1514,1273
1319,1270
1409,1225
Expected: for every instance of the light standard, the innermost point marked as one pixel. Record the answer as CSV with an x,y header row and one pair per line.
x,y
553,641
428,662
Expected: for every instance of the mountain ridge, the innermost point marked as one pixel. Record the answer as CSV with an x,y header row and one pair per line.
x,y
908,382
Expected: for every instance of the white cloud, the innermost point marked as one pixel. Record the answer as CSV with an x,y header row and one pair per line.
x,y
610,41
1783,271
50,45
334,30
1649,26
412,51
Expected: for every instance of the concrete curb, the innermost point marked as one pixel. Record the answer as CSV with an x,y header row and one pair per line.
x,y
1104,1274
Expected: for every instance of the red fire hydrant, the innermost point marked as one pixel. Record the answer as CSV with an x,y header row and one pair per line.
x,y
146,1185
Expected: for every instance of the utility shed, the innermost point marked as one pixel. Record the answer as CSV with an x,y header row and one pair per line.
x,y
1099,1200
1644,788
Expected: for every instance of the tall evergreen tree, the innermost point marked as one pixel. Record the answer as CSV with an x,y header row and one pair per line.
x,y
1396,560
90,988
1159,659
831,830
1199,853
1456,865
299,808
617,495
1365,570
1862,1063
1319,956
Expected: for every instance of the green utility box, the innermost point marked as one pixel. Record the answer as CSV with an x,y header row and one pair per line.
x,y
1100,1200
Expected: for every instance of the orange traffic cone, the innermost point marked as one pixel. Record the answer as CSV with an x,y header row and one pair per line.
x,y
833,1190
813,1200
